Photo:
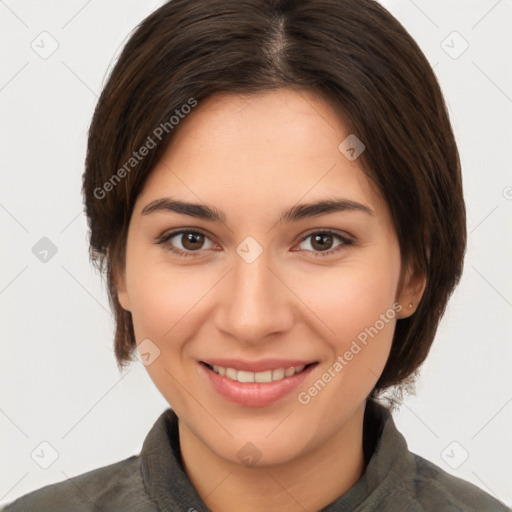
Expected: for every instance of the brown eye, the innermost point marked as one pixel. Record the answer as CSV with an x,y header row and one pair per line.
x,y
322,243
186,242
192,241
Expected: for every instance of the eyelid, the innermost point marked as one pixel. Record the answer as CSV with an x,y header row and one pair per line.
x,y
341,234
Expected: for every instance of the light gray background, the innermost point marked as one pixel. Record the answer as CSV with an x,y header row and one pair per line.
x,y
59,381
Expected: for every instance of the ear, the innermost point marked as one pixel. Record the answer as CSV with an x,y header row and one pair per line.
x,y
120,284
414,283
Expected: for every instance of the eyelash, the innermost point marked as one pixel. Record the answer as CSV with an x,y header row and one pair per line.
x,y
346,242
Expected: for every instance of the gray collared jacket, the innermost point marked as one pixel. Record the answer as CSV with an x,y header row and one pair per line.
x,y
395,480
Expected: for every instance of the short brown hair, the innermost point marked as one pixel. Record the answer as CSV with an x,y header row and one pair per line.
x,y
354,54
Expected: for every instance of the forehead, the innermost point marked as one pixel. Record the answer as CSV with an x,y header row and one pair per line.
x,y
282,122
273,148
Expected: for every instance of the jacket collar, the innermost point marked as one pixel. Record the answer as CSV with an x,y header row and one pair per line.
x,y
385,449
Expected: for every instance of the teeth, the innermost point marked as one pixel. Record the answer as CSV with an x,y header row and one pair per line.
x,y
289,372
231,373
245,376
265,376
278,374
219,369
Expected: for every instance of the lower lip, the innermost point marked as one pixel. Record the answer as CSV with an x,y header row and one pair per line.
x,y
255,394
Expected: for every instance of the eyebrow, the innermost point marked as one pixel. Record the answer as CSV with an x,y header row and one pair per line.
x,y
295,213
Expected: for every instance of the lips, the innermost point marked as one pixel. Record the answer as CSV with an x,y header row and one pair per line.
x,y
255,384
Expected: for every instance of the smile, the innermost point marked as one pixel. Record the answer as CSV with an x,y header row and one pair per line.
x,y
263,376
252,384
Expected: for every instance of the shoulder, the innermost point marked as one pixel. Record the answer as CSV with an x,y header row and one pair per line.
x,y
402,481
435,489
116,487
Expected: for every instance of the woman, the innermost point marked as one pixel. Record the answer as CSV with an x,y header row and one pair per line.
x,y
274,192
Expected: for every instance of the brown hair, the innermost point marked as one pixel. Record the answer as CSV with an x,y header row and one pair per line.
x,y
355,55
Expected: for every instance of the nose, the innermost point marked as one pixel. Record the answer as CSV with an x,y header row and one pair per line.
x,y
255,302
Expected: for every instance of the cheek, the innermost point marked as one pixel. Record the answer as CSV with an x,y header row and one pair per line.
x,y
160,294
165,303
351,297
169,304
355,310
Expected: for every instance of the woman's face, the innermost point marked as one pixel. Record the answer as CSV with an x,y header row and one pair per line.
x,y
258,291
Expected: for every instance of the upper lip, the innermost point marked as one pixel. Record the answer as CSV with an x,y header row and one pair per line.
x,y
256,366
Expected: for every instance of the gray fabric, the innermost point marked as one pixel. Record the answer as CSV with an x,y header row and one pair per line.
x,y
395,480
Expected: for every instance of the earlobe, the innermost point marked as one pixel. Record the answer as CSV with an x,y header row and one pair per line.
x,y
412,292
122,294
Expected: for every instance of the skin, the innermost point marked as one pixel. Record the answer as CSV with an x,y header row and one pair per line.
x,y
253,157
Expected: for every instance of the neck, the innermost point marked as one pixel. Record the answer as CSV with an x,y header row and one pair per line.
x,y
308,482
